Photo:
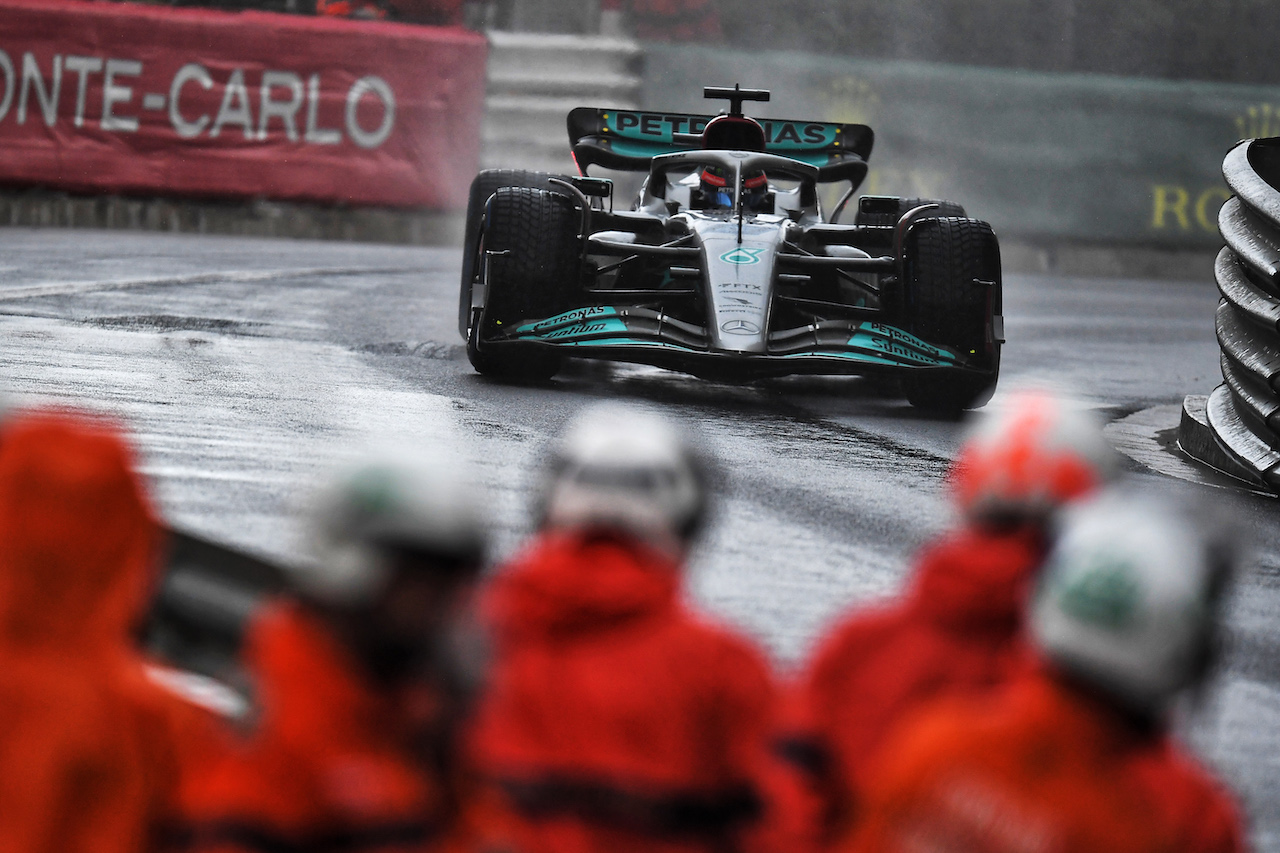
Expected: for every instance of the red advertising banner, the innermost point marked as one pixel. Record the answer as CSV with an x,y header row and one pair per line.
x,y
117,97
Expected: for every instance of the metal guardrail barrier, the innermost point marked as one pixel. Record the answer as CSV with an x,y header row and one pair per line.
x,y
208,594
1238,429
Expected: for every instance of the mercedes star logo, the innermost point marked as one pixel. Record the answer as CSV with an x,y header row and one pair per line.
x,y
740,327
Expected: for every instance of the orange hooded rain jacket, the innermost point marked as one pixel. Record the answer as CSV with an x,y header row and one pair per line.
x,y
91,750
332,762
1039,766
957,629
617,721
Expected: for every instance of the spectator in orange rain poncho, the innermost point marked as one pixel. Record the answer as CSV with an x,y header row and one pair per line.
x,y
617,719
92,751
372,10
1074,756
958,626
432,12
357,682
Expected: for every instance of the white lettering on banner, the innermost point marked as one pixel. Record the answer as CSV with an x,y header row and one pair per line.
x,y
282,96
286,111
6,65
113,94
316,134
83,66
32,79
379,87
240,115
187,73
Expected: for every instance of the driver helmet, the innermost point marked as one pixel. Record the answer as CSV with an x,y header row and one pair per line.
x,y
1027,459
621,468
718,191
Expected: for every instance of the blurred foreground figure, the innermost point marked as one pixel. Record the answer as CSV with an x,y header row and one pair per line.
x,y
357,681
92,751
1074,755
618,720
959,626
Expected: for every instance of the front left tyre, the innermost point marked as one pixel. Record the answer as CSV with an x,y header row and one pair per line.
x,y
483,186
530,256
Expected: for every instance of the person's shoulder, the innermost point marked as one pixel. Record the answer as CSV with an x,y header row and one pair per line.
x,y
852,638
707,630
955,730
968,544
721,650
1196,798
864,626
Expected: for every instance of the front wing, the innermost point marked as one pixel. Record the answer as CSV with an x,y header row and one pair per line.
x,y
649,336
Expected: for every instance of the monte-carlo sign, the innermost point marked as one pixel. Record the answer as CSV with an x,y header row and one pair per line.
x,y
128,98
278,100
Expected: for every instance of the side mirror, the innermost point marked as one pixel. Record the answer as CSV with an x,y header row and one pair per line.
x,y
594,187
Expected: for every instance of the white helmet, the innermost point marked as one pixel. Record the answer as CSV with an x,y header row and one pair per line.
x,y
1128,600
622,467
1030,456
389,501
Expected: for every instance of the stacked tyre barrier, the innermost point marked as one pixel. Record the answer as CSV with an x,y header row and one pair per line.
x,y
1242,415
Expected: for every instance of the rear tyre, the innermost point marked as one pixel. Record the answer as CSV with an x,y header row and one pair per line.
x,y
484,185
529,241
951,292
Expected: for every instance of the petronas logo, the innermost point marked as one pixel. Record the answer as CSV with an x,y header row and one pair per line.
x,y
742,257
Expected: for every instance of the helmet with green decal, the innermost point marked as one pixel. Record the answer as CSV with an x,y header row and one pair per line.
x,y
398,541
387,505
1128,600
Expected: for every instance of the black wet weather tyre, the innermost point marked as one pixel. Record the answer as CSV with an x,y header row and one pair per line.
x,y
484,185
945,208
531,244
951,293
905,206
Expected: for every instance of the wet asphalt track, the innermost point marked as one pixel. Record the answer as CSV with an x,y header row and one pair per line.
x,y
248,367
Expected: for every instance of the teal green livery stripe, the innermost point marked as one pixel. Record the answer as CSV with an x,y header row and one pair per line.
x,y
601,326
590,328
862,357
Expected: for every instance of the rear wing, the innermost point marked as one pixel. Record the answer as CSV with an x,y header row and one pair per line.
x,y
626,140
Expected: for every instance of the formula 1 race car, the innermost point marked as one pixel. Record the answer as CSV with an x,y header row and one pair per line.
x,y
725,266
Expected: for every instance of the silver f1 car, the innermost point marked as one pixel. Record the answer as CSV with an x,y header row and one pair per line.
x,y
726,265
